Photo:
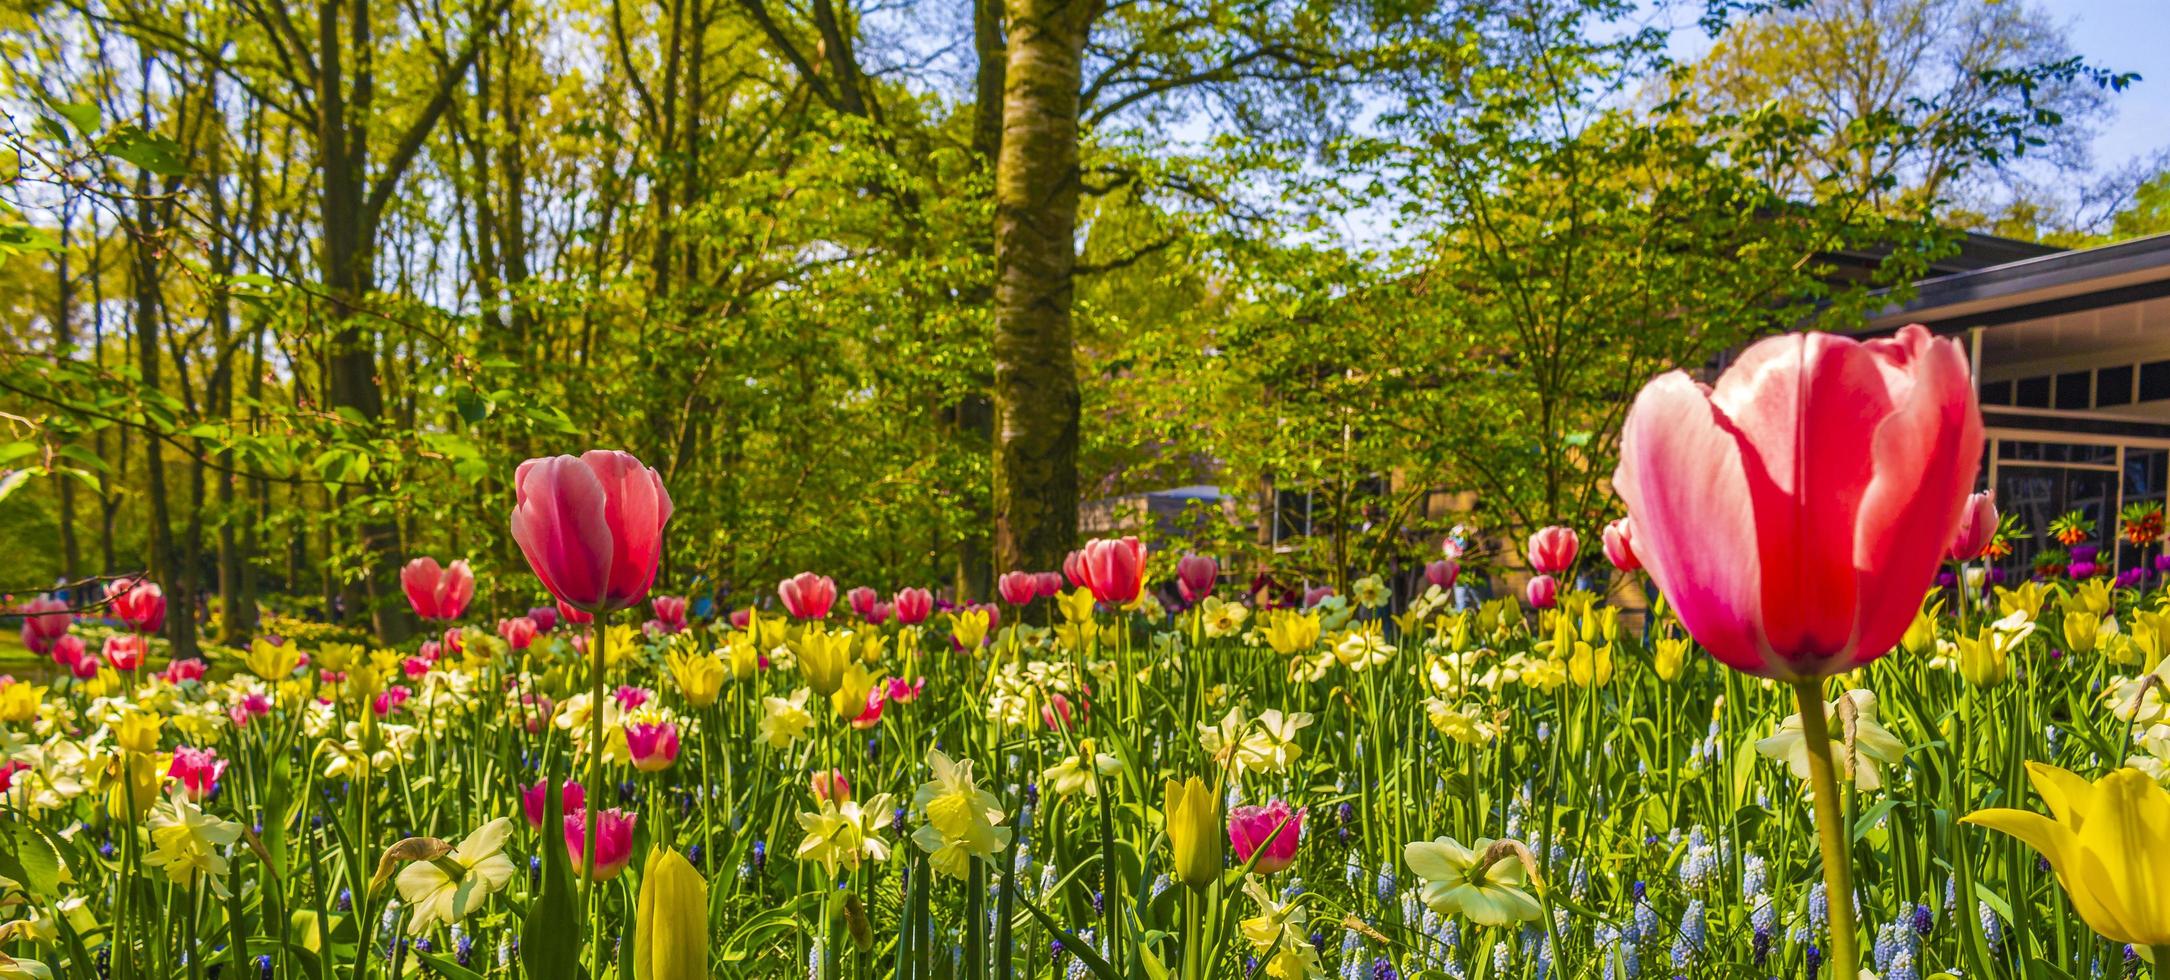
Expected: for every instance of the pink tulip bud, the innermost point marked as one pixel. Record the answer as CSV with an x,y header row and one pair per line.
x,y
67,650
831,786
1977,527
1018,588
1271,832
1048,584
437,593
535,797
1115,569
519,631
613,841
1073,568
124,652
906,692
1195,575
670,610
197,770
545,617
862,600
1619,539
653,746
1542,592
1443,572
914,606
807,595
591,527
1552,549
183,671
45,621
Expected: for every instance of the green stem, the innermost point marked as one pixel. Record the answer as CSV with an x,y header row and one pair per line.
x,y
2161,956
590,900
1838,877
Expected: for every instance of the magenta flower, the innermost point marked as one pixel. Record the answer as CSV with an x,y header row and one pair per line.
x,y
613,841
1542,592
437,593
591,527
197,770
533,798
807,595
862,600
1018,588
1619,539
140,605
914,606
652,745
1553,549
1272,832
1114,569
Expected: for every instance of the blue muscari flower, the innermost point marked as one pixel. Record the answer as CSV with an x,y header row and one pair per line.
x,y
1992,927
1923,920
1383,969
1755,875
263,966
1814,958
694,852
1819,906
760,855
1502,958
1383,886
463,947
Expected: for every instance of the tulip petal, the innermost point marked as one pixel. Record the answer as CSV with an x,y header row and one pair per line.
x,y
2070,796
636,507
1682,474
561,527
2122,849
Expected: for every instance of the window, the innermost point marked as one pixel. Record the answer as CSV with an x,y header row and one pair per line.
x,y
2000,392
2113,386
2155,381
2075,390
2032,393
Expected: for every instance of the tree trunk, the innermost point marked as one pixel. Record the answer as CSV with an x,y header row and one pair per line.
x,y
162,564
71,551
1036,195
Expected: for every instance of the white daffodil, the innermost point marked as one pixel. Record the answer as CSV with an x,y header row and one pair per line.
x,y
446,889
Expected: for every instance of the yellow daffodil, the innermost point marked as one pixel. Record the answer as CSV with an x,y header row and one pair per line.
x,y
2105,841
1467,726
1222,618
785,720
1283,929
1080,772
962,820
447,887
1194,831
840,835
1361,649
1483,882
187,843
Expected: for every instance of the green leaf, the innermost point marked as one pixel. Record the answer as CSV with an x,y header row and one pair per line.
x,y
84,116
31,859
550,935
152,152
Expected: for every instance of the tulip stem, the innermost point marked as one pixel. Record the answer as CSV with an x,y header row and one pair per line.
x,y
590,899
2161,952
1831,834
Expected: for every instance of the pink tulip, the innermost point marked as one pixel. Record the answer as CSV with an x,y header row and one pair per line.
x,y
862,600
138,604
1794,514
183,671
249,708
519,631
545,617
415,668
1195,575
914,606
67,650
391,699
573,616
1542,592
1977,527
1317,594
1552,549
613,841
1073,568
45,621
653,746
741,618
671,611
1619,539
881,613
85,667
428,651
437,593
197,770
535,797
1049,584
630,697
591,527
455,642
1060,713
905,692
871,715
124,652
1272,832
1115,569
1443,572
1018,588
831,786
807,595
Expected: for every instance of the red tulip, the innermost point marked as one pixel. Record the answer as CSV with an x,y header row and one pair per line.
x,y
1195,575
741,618
591,527
1552,549
1977,527
1048,584
437,593
139,604
807,595
85,667
68,650
1443,572
1542,592
1794,514
914,606
862,600
1073,568
1018,588
574,616
1620,545
532,800
1115,569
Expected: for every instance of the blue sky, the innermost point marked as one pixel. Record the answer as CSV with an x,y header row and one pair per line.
x,y
2127,35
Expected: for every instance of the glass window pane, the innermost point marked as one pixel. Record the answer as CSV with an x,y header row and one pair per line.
x,y
2075,391
2032,392
2113,386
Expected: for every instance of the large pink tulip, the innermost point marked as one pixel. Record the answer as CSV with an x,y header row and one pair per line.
x,y
591,527
1073,568
1115,569
1553,549
913,606
139,604
1794,514
437,593
807,595
1977,527
1620,545
1195,575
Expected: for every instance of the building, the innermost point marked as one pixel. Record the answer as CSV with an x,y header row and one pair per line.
x,y
2071,350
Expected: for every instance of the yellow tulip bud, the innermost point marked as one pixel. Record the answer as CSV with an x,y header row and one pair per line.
x,y
137,731
670,932
969,627
1671,653
822,656
699,677
1194,831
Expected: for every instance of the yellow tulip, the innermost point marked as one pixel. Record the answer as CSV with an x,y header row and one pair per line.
x,y
1920,637
1076,604
699,677
852,690
1290,632
670,932
137,731
271,661
1194,831
745,654
822,656
2104,839
132,781
969,626
19,701
1670,654
337,656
